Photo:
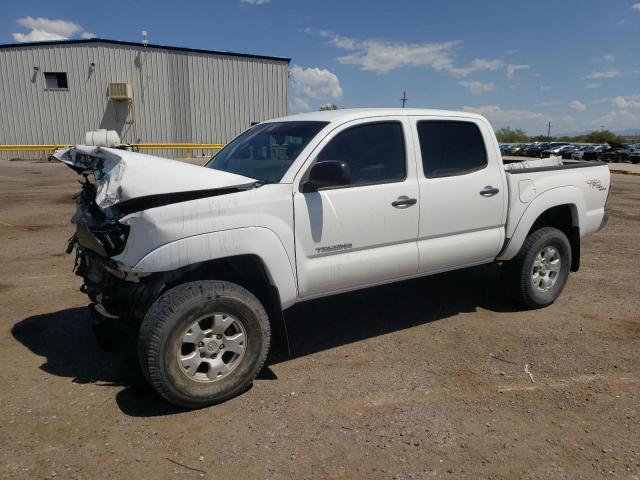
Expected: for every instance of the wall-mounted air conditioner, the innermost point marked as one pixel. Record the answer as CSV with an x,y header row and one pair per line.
x,y
120,92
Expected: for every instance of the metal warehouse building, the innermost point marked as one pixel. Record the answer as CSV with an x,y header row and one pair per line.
x,y
53,92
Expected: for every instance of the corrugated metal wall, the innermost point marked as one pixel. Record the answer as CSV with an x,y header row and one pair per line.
x,y
179,96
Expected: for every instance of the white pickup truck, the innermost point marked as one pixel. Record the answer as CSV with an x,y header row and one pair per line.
x,y
203,260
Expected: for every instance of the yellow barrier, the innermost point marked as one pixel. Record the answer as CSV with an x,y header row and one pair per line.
x,y
132,146
185,146
31,148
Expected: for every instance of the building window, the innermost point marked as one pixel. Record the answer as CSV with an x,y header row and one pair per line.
x,y
55,80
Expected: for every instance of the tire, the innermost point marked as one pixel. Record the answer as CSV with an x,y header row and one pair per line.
x,y
539,291
228,313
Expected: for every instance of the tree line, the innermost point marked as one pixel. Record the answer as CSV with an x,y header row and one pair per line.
x,y
508,135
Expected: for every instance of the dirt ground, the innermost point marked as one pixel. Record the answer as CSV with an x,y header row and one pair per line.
x,y
414,380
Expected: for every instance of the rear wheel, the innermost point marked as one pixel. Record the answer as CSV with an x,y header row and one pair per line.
x,y
539,272
203,342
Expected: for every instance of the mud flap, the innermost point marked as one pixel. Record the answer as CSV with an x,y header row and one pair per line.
x,y
278,323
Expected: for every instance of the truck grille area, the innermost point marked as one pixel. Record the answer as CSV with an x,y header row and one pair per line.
x,y
94,230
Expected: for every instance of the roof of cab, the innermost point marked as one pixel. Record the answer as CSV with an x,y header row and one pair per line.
x,y
348,114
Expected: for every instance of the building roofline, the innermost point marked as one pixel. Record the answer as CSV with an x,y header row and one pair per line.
x,y
134,44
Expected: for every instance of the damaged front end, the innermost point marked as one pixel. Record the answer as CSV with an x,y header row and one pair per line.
x,y
119,296
103,235
118,186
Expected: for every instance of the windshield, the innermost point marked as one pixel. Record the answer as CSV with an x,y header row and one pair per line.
x,y
265,152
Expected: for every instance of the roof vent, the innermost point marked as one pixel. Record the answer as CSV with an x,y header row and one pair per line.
x,y
120,92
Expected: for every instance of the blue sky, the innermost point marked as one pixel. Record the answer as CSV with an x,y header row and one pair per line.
x,y
520,63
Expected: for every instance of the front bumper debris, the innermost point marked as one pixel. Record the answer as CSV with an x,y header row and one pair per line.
x,y
94,230
118,293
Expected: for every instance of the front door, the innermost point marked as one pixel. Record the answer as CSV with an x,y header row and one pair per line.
x,y
363,233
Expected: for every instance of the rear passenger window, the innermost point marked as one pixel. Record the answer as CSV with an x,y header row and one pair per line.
x,y
375,152
451,148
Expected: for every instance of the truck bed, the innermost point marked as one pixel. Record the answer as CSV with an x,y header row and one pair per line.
x,y
581,186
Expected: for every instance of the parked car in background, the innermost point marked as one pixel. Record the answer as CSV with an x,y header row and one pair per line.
x,y
556,150
578,152
588,153
616,152
569,150
534,149
505,149
517,149
634,154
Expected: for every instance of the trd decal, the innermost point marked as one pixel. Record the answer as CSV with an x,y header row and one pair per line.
x,y
596,184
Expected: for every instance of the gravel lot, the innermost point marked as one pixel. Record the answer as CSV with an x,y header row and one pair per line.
x,y
414,380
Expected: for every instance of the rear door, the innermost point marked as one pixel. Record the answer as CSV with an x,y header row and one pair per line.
x,y
365,232
462,193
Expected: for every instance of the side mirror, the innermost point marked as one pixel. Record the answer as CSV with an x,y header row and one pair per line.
x,y
330,173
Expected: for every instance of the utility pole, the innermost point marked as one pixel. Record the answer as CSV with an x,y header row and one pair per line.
x,y
404,98
549,131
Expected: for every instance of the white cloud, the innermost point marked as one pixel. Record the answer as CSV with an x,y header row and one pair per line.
x,y
612,72
478,87
577,105
609,57
383,56
36,36
614,120
548,104
312,85
511,51
43,29
497,114
254,2
531,121
545,88
476,65
630,101
87,35
636,6
593,85
300,105
511,69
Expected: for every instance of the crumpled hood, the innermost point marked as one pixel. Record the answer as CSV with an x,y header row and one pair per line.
x,y
122,176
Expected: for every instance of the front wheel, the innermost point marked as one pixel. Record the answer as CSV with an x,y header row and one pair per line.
x,y
203,342
539,272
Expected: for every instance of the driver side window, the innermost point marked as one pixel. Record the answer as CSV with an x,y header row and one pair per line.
x,y
375,152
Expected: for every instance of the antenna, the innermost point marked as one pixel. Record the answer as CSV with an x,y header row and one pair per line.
x,y
145,42
404,98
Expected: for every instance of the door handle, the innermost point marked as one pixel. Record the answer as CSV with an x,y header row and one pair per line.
x,y
489,191
403,202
